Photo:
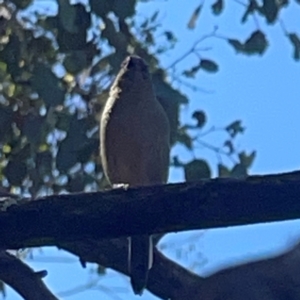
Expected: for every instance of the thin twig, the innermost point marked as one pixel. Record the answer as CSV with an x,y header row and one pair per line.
x,y
192,49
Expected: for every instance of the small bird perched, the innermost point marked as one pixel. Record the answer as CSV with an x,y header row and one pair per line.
x,y
134,146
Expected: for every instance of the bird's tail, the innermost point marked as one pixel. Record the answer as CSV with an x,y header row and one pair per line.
x,y
140,259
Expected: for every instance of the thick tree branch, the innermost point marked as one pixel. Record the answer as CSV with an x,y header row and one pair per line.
x,y
275,278
76,222
167,280
22,278
156,209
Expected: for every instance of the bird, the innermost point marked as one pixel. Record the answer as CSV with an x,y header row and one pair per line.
x,y
135,148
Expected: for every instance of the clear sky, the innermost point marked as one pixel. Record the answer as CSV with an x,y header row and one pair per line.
x,y
261,91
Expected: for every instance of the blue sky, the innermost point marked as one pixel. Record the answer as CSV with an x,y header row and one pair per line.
x,y
261,91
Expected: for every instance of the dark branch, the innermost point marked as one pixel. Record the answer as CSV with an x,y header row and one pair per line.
x,y
174,207
273,278
167,280
76,222
22,278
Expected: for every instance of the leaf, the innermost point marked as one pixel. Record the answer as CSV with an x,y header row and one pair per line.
x,y
101,8
170,99
154,16
239,171
176,162
49,23
185,139
191,73
101,65
124,9
6,121
251,8
223,171
15,172
66,156
229,145
11,55
86,150
67,16
75,62
270,10
217,7
237,45
47,85
3,289
247,160
149,38
33,127
194,17
170,36
44,161
42,46
234,128
23,154
256,43
296,43
114,37
62,120
283,3
200,117
74,21
75,183
70,147
209,65
22,4
204,64
101,270
196,170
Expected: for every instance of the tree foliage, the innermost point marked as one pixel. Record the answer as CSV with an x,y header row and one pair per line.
x,y
56,69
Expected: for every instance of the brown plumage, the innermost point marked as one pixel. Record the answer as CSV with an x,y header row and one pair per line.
x,y
134,144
